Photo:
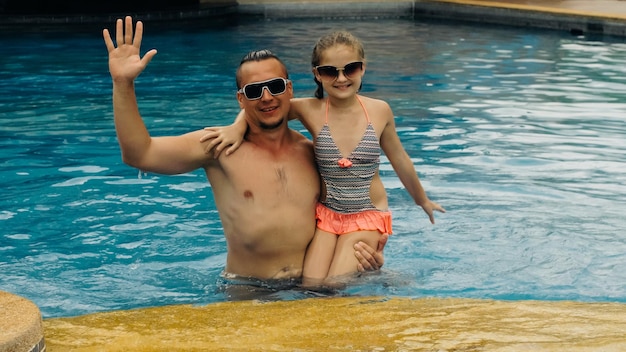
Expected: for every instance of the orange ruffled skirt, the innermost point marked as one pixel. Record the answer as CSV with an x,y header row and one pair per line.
x,y
338,223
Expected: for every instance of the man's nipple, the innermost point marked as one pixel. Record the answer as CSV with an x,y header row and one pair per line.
x,y
248,194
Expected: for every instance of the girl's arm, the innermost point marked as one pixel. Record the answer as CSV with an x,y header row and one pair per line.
x,y
404,168
225,136
231,136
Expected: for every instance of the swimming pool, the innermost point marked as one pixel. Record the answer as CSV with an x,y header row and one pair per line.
x,y
519,134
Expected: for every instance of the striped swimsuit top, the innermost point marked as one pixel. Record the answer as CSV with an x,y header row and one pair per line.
x,y
347,180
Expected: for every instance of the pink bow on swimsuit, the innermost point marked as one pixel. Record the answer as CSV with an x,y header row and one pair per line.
x,y
344,163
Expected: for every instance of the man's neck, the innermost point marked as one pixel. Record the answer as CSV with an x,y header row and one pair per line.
x,y
268,138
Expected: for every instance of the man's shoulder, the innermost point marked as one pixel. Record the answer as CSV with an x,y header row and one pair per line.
x,y
301,143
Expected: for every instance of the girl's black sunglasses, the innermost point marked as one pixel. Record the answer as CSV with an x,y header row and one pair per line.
x,y
330,73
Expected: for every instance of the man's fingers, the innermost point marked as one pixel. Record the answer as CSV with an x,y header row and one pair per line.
x,y
128,31
119,32
382,242
107,40
360,268
148,57
365,251
362,264
138,34
365,258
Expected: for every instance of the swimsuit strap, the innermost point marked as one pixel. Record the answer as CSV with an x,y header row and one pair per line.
x,y
367,116
327,106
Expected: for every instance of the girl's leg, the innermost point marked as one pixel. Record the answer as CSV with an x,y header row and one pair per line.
x,y
318,257
344,262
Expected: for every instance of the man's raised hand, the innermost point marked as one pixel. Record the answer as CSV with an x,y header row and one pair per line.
x,y
125,62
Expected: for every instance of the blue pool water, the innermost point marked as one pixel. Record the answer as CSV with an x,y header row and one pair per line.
x,y
520,134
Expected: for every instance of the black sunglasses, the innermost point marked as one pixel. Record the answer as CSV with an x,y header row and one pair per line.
x,y
254,91
331,72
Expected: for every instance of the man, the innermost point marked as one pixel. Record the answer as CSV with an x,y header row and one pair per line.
x,y
265,193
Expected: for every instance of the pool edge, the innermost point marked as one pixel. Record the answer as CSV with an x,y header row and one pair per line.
x,y
21,325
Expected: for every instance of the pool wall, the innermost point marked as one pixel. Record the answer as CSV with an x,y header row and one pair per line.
x,y
608,18
327,9
542,14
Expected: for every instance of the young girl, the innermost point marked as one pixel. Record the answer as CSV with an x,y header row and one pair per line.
x,y
348,131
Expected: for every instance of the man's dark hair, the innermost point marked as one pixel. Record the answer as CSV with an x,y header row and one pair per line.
x,y
258,55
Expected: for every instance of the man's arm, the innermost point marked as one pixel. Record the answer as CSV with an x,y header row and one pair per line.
x,y
168,155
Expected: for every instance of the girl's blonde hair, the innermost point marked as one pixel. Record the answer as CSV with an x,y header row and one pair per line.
x,y
335,38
